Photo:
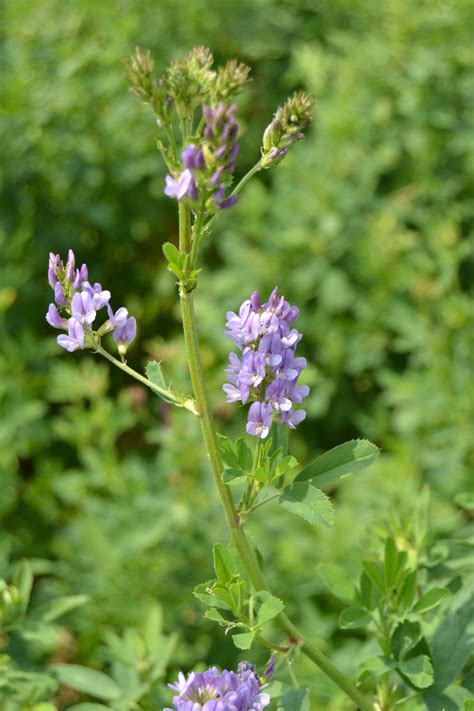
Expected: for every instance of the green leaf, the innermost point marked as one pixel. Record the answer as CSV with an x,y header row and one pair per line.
x,y
418,670
408,592
88,707
222,563
337,581
62,605
155,375
205,593
390,562
244,455
374,571
369,594
375,666
228,452
279,436
354,617
267,607
465,500
215,616
24,583
452,640
234,477
469,705
171,252
285,465
340,461
308,502
294,700
431,599
243,640
87,680
405,637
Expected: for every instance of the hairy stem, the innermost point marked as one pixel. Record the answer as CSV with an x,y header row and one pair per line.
x,y
239,538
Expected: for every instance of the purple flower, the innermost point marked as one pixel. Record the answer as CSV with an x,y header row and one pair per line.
x,y
270,668
268,370
192,158
59,295
82,308
53,268
78,298
54,318
75,337
100,297
181,188
259,419
220,691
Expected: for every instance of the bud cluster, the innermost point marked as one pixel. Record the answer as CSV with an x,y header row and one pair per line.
x,y
268,370
288,126
77,304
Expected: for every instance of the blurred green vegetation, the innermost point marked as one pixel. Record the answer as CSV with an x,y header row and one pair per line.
x,y
367,226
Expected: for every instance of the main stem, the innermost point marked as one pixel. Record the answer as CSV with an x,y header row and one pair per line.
x,y
239,538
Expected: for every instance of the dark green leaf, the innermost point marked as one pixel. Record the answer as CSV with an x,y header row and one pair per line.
x,y
374,571
431,599
340,461
418,670
337,581
308,502
234,477
390,562
244,455
228,453
408,592
294,700
353,618
369,594
86,680
453,639
279,435
405,637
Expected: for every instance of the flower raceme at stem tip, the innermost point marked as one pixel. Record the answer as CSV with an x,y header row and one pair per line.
x,y
77,304
266,374
206,164
220,691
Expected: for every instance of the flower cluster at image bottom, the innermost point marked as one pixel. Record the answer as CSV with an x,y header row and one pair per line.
x,y
77,304
266,374
222,691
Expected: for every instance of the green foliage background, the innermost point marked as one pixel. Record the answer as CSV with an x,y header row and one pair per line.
x,y
367,226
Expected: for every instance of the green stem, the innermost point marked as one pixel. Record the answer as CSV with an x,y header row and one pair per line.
x,y
237,533
168,395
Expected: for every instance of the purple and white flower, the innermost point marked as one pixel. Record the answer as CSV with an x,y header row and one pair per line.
x,y
77,305
268,370
220,691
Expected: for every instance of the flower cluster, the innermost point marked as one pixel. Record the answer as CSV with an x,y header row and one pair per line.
x,y
268,370
220,691
77,304
205,166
